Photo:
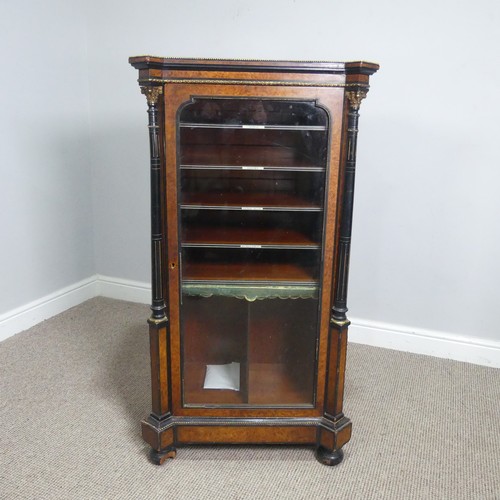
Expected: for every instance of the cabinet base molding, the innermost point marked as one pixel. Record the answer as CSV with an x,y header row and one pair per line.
x,y
165,435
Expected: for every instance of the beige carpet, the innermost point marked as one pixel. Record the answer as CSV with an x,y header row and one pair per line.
x,y
73,389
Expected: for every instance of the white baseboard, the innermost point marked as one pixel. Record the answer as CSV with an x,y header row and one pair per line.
x,y
28,315
117,288
401,338
431,343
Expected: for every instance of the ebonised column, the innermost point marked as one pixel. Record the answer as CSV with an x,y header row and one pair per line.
x,y
335,430
152,428
158,320
158,305
339,310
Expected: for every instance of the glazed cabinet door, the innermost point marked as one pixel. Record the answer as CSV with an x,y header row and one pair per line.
x,y
251,207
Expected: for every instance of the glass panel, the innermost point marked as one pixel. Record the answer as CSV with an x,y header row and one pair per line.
x,y
252,175
243,112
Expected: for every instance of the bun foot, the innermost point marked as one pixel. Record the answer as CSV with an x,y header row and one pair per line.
x,y
328,457
158,457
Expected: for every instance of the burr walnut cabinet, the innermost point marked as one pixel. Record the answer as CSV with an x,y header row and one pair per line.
x,y
252,179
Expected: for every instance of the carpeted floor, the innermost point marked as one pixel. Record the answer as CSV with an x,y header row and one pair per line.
x,y
73,389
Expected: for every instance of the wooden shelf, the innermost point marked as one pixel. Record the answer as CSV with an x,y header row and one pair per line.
x,y
245,157
240,237
247,201
252,126
271,384
282,272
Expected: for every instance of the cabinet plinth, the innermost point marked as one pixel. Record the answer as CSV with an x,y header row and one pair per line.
x,y
252,184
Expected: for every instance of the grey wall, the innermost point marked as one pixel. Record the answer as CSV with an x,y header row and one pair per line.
x,y
426,239
45,190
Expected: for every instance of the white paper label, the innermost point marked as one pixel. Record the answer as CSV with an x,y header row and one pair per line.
x,y
252,208
250,246
223,377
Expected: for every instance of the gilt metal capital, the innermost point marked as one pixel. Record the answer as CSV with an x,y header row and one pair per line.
x,y
152,94
355,97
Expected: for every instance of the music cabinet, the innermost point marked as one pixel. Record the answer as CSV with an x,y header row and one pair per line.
x,y
252,182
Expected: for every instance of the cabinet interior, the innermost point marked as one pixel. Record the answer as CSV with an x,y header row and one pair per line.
x,y
251,208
